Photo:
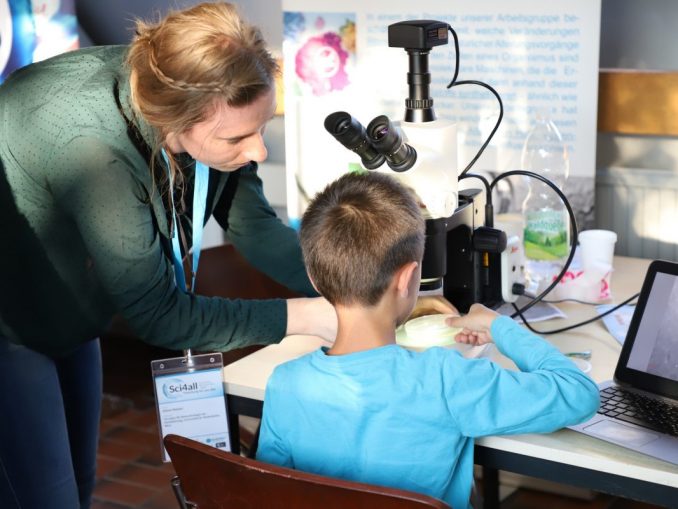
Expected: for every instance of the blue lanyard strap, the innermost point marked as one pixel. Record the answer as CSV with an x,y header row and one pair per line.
x,y
199,203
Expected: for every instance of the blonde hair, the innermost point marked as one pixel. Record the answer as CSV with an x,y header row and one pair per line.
x,y
190,59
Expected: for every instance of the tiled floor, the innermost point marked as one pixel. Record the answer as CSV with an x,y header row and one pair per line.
x,y
130,473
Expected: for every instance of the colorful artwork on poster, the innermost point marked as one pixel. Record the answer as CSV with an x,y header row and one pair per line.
x,y
323,46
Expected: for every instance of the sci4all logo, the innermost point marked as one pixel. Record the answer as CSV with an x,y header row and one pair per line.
x,y
177,388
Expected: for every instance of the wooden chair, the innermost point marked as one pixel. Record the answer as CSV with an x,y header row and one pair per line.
x,y
208,478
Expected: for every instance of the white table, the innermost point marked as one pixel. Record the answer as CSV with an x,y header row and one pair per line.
x,y
564,456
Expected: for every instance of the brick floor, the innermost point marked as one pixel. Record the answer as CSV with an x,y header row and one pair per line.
x,y
130,471
123,493
100,504
133,436
106,466
142,475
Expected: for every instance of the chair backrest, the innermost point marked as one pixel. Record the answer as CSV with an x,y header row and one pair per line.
x,y
214,479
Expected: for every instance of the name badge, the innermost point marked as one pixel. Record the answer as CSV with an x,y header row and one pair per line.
x,y
190,399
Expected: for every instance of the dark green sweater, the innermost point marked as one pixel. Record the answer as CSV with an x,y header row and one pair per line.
x,y
85,229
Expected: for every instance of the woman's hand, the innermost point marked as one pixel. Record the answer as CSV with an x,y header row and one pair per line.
x,y
432,305
475,325
311,316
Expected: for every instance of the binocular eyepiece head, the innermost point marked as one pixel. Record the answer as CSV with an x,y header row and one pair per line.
x,y
351,134
388,140
382,141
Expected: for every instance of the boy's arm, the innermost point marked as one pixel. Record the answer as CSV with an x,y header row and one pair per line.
x,y
548,393
272,448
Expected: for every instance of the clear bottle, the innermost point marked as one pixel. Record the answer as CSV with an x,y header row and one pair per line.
x,y
547,230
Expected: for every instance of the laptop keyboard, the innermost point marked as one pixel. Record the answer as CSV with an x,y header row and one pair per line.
x,y
638,409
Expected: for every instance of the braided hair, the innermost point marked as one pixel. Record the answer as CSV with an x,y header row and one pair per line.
x,y
188,60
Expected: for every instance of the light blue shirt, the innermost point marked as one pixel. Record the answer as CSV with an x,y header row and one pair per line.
x,y
407,420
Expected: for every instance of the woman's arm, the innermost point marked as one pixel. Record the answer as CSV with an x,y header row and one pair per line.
x,y
111,207
260,236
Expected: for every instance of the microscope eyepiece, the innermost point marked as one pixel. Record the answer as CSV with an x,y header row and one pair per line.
x,y
388,141
351,134
380,132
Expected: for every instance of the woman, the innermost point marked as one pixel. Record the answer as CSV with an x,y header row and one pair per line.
x,y
99,147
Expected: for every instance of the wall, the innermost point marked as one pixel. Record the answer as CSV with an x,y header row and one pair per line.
x,y
636,34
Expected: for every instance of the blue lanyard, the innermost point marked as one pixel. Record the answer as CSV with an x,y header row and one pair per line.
x,y
199,203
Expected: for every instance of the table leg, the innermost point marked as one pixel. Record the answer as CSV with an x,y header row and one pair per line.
x,y
234,432
490,488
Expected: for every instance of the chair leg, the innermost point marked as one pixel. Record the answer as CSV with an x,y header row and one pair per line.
x,y
179,493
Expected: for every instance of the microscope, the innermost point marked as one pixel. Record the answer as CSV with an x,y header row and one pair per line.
x,y
466,257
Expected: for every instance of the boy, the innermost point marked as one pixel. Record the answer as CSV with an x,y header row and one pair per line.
x,y
370,411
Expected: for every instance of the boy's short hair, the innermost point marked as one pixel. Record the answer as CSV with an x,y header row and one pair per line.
x,y
357,233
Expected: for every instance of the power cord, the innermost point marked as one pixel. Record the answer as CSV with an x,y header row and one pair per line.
x,y
573,227
489,208
455,83
578,301
464,173
519,312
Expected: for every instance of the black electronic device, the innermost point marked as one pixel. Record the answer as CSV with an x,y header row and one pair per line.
x,y
645,358
639,408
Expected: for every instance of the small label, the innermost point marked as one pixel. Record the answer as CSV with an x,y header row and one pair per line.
x,y
546,236
190,400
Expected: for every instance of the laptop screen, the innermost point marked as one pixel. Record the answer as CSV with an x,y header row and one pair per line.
x,y
649,358
655,349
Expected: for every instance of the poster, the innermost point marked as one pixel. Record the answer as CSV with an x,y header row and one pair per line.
x,y
542,58
34,30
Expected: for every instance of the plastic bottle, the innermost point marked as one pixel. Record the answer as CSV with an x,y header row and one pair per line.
x,y
547,230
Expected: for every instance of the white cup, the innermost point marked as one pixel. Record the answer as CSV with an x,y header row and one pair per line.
x,y
597,246
597,254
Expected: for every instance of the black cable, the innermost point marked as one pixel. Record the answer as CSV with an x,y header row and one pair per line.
x,y
503,206
573,226
489,208
496,126
456,52
455,83
570,327
489,222
483,180
560,301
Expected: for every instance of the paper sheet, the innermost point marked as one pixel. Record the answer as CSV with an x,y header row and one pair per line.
x,y
537,313
617,323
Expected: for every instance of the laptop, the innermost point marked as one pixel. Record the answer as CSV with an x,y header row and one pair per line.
x,y
639,408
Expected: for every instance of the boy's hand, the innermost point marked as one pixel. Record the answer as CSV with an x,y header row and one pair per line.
x,y
475,325
432,305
